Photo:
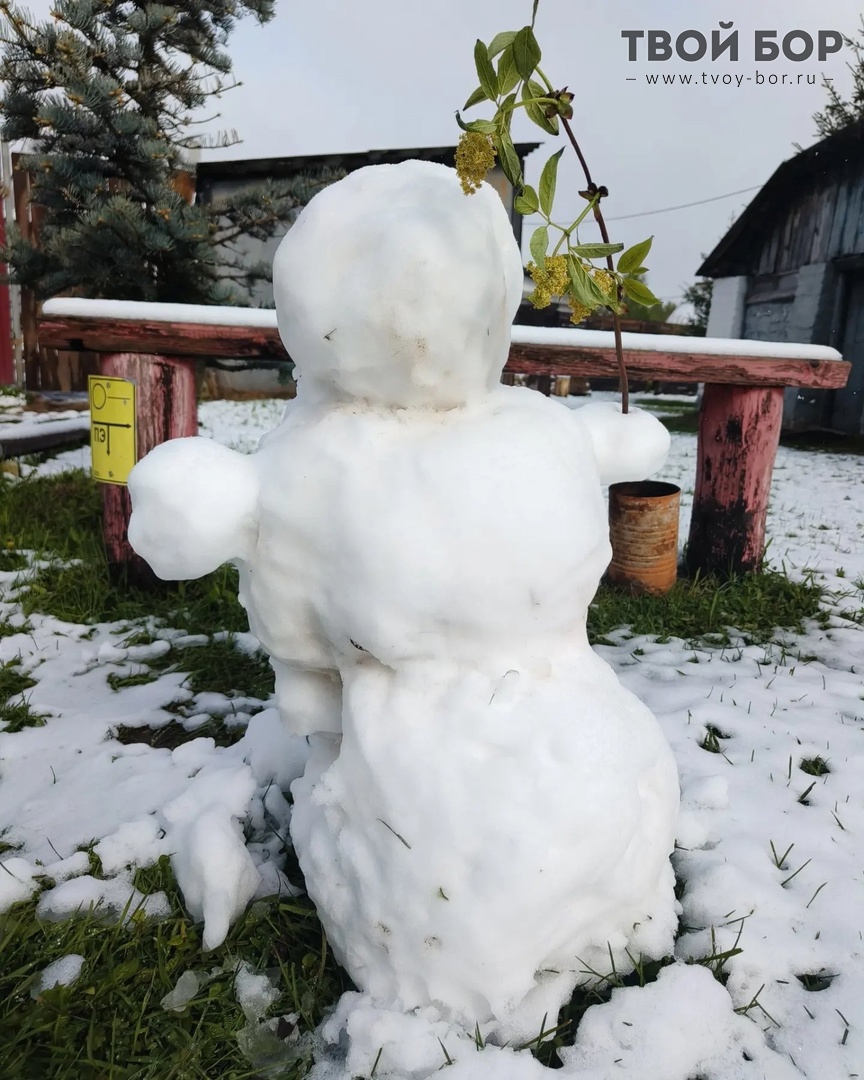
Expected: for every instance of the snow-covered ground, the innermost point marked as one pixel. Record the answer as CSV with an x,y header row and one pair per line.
x,y
771,857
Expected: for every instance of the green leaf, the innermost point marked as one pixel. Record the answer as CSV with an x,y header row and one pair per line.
x,y
596,251
634,257
508,76
535,112
579,282
639,292
526,52
584,288
508,157
526,202
504,116
475,99
548,181
539,245
485,71
500,42
486,126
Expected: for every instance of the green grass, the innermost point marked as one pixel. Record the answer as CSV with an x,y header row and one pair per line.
x,y
60,518
15,711
683,416
675,415
172,735
703,610
110,1025
816,766
219,667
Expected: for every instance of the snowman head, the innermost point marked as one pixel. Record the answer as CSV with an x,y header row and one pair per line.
x,y
395,288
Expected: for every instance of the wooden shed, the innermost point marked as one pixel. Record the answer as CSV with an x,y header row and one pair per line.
x,y
791,269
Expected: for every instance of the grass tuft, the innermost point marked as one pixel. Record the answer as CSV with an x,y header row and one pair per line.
x,y
110,1025
172,735
815,766
15,711
814,982
712,739
706,610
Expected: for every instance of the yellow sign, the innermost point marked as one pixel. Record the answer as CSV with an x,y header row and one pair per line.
x,y
113,435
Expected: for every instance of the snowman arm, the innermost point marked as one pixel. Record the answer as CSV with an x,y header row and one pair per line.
x,y
627,447
194,507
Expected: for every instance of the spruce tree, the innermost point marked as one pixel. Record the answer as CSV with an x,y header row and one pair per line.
x,y
105,95
840,113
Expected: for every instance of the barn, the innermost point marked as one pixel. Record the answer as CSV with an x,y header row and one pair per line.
x,y
791,269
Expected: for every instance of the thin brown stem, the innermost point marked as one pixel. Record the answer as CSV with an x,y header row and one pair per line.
x,y
604,232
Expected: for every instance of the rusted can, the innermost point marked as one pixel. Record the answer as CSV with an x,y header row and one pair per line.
x,y
643,529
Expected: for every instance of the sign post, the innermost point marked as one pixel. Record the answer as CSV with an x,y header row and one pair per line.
x,y
136,402
113,428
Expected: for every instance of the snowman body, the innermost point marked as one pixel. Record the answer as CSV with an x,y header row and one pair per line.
x,y
486,812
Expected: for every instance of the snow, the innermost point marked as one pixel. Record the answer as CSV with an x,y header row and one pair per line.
x,y
185,990
16,881
672,343
43,424
435,514
116,899
62,972
62,307
733,809
177,473
684,999
213,867
255,993
762,868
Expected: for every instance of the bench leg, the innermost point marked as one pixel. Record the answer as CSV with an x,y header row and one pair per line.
x,y
166,409
739,430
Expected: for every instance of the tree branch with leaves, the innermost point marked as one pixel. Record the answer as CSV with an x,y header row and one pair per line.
x,y
569,269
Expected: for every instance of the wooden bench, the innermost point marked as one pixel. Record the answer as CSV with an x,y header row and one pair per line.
x,y
155,346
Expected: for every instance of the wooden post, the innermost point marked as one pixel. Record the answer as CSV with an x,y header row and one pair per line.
x,y
739,430
166,409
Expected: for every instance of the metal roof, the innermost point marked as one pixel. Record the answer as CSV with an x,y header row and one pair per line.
x,y
210,171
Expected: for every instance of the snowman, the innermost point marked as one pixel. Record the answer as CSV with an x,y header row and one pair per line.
x,y
486,813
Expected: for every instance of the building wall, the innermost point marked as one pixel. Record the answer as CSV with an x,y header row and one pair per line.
x,y
798,306
817,225
252,251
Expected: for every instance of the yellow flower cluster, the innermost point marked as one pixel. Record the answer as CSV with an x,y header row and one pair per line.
x,y
578,311
551,280
605,281
475,156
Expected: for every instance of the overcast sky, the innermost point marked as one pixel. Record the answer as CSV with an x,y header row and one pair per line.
x,y
329,76
347,75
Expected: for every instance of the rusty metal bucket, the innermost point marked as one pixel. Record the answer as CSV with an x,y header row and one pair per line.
x,y
643,529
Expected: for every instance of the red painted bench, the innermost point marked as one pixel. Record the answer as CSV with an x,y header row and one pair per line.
x,y
155,346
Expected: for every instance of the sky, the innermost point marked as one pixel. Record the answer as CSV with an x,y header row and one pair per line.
x,y
342,75
330,76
